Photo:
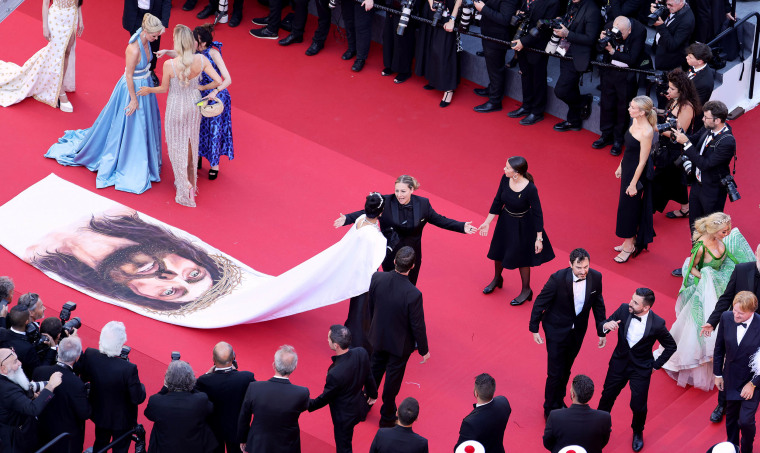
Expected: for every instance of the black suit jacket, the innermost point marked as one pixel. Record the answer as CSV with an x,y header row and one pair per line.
x,y
714,161
346,377
584,34
18,432
632,52
115,389
555,306
399,439
577,425
159,8
641,355
398,320
496,15
745,277
275,405
704,82
628,8
731,360
25,351
539,9
67,412
670,50
226,390
486,424
180,423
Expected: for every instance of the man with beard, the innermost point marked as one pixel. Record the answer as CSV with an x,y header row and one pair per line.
x,y
19,411
632,360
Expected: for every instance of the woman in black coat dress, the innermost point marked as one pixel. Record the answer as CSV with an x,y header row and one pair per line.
x,y
437,56
519,240
404,217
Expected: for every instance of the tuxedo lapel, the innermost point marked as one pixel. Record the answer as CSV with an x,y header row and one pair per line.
x,y
752,332
589,289
648,327
570,293
417,206
394,211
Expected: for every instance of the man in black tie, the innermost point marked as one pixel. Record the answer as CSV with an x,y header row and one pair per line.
x,y
348,377
703,76
736,372
15,337
632,361
494,23
132,18
673,33
563,307
401,438
488,420
225,386
398,323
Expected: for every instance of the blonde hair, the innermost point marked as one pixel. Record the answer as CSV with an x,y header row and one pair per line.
x,y
152,24
184,45
746,300
710,224
646,104
409,181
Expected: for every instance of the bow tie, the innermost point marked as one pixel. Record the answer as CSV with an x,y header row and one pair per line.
x,y
407,206
579,280
637,318
743,324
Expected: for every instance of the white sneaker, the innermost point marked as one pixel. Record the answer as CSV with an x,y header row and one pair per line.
x,y
65,106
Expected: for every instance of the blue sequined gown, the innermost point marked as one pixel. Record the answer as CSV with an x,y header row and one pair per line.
x,y
124,150
216,132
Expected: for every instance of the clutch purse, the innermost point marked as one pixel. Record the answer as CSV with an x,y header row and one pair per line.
x,y
210,110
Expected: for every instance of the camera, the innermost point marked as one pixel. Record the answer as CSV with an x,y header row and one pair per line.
x,y
406,14
125,350
520,22
730,184
670,123
69,323
138,437
612,36
465,18
685,163
660,11
657,78
37,386
175,356
437,12
332,4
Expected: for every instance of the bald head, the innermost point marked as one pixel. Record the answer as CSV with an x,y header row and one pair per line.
x,y
223,355
623,24
8,361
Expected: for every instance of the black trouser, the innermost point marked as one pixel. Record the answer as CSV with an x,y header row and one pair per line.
x,y
344,434
638,380
568,91
155,45
701,206
617,90
301,9
398,51
237,12
495,55
104,437
393,367
232,446
560,357
358,27
740,418
324,19
533,77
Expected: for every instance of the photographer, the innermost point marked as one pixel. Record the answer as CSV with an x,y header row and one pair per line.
x,y
703,76
15,337
533,64
6,290
618,87
673,33
494,23
68,411
33,303
115,388
48,353
578,33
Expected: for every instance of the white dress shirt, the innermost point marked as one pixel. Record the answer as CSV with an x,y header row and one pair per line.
x,y
143,4
636,330
579,294
741,330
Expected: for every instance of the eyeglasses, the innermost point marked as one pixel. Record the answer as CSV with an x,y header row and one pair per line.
x,y
13,352
708,117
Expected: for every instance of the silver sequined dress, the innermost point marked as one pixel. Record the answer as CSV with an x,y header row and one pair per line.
x,y
182,124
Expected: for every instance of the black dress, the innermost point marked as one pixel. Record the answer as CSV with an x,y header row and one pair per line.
x,y
669,181
437,57
520,219
634,215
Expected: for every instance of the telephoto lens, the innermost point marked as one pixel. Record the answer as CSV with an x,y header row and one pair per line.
x,y
465,18
406,14
438,13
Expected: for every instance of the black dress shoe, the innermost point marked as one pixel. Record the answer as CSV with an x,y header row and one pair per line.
x,y
235,21
358,65
717,414
213,174
386,72
314,49
428,87
601,142
208,11
287,22
519,113
495,283
679,273
349,54
481,92
638,441
531,119
516,301
263,33
402,77
587,102
291,39
189,5
261,21
487,107
617,149
567,126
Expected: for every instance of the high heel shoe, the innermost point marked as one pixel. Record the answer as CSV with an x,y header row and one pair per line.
x,y
213,174
65,106
495,283
515,302
447,96
628,255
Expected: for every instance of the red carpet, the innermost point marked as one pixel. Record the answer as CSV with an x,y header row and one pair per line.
x,y
312,138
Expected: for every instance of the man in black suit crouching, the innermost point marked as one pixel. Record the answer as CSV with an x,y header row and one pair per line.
x,y
401,438
398,322
563,306
225,387
735,372
275,405
488,420
347,376
578,424
632,360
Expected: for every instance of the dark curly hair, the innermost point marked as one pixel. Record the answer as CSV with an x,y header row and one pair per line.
x,y
687,93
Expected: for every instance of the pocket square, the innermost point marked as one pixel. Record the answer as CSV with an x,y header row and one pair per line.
x,y
422,220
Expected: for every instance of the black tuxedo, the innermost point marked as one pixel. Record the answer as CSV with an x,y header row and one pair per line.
x,y
555,308
577,425
399,439
25,351
704,82
745,277
347,376
398,322
496,15
408,222
486,424
732,360
18,412
532,64
275,405
635,364
115,392
132,18
66,413
670,49
226,390
180,423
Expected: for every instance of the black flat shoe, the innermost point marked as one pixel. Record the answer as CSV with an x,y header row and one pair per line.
x,y
481,92
519,113
717,414
638,441
386,72
200,163
212,174
189,5
402,77
447,96
349,54
428,87
531,119
358,65
602,141
495,283
314,49
565,126
515,302
617,149
487,107
206,12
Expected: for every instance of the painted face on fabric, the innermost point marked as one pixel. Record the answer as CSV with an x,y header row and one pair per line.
x,y
170,278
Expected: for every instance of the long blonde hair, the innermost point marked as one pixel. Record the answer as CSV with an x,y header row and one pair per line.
x,y
152,24
184,45
710,224
646,104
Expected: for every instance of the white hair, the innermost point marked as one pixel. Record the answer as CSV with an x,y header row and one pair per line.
x,y
69,349
112,338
